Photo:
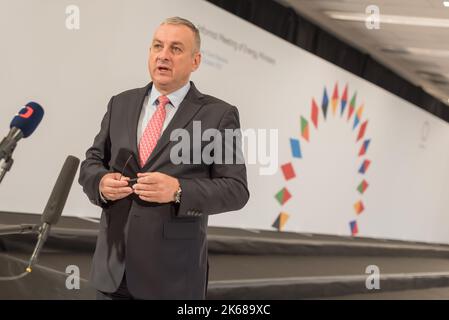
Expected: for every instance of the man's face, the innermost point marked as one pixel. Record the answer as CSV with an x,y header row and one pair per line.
x,y
173,57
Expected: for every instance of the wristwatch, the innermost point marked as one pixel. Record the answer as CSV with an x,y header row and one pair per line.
x,y
177,195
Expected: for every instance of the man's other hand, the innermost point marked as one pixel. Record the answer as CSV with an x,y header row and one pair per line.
x,y
156,187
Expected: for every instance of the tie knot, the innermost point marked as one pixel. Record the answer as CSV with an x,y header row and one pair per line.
x,y
163,100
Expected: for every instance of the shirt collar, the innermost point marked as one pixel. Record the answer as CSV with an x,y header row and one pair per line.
x,y
174,97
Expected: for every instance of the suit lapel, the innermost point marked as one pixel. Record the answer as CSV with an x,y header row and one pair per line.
x,y
187,109
133,117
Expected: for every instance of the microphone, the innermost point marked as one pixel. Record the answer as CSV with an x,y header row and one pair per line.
x,y
55,205
22,126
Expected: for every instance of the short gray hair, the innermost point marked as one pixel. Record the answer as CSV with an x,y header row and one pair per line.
x,y
188,24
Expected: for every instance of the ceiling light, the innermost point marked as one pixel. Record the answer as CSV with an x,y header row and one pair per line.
x,y
432,75
394,50
446,3
436,53
428,52
390,19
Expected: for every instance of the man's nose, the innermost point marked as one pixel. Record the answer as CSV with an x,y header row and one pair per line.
x,y
164,54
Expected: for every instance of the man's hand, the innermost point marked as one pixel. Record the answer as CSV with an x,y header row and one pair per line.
x,y
156,187
113,188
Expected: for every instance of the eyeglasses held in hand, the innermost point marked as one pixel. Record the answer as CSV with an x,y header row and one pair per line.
x,y
130,181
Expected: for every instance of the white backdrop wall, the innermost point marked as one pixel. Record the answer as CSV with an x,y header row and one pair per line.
x,y
74,73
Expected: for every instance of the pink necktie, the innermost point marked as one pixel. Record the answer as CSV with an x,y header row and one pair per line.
x,y
152,131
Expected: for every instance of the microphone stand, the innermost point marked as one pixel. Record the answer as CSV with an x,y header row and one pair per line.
x,y
18,229
52,211
6,149
5,166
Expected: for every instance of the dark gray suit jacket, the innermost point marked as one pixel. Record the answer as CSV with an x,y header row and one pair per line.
x,y
163,247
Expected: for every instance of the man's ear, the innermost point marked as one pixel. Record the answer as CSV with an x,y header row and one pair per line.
x,y
196,61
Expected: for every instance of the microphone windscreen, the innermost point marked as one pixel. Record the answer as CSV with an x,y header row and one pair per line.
x,y
60,193
28,118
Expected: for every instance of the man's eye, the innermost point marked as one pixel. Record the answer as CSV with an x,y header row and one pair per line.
x,y
157,46
176,49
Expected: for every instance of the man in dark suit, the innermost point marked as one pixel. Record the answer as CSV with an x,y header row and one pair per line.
x,y
152,240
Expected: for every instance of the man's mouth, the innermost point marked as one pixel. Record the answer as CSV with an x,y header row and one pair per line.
x,y
163,69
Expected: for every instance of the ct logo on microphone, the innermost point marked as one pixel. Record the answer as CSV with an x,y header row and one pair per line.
x,y
26,112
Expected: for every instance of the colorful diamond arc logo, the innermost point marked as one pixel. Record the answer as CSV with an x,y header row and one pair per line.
x,y
353,116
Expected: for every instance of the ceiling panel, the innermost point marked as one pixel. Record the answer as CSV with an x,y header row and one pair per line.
x,y
389,35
